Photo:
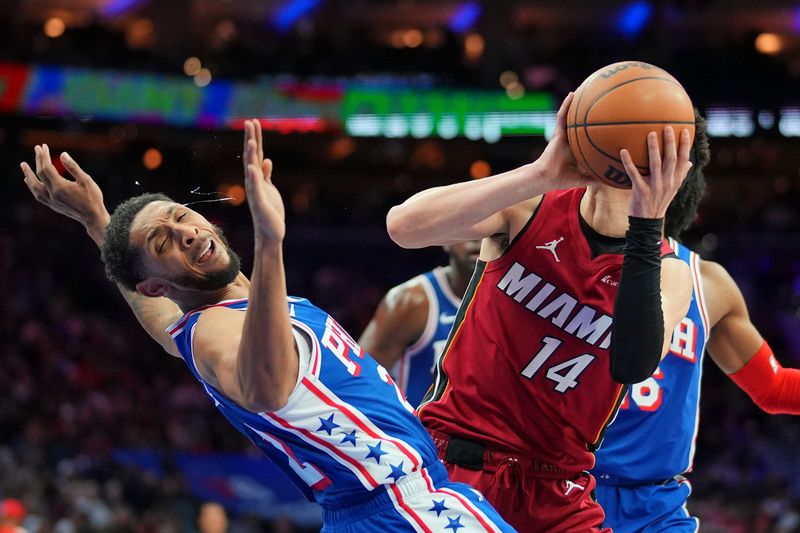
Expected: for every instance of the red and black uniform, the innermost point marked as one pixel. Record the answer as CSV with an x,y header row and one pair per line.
x,y
523,391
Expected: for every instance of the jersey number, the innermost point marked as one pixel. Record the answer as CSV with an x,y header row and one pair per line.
x,y
647,395
565,374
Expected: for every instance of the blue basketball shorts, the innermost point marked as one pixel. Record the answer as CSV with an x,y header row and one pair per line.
x,y
647,508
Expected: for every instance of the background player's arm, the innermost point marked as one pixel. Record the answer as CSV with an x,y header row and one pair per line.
x,y
477,209
734,338
738,349
82,200
398,322
252,356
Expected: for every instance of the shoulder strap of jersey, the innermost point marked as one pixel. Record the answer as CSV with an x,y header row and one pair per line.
x,y
176,327
697,282
681,251
440,284
428,283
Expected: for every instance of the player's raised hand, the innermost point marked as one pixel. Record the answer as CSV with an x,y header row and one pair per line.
x,y
652,194
557,163
266,205
81,199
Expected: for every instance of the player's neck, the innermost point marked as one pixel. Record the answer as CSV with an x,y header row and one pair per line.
x,y
457,280
605,209
190,300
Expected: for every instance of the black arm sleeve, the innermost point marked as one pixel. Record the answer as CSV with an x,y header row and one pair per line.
x,y
637,335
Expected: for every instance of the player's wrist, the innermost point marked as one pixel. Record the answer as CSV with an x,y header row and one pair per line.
x,y
97,235
541,177
267,245
556,171
96,227
643,238
646,208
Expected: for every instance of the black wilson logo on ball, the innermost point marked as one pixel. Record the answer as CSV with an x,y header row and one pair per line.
x,y
625,66
616,175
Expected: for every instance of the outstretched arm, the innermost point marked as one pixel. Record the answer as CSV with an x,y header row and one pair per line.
x,y
476,209
653,295
738,349
254,358
398,322
82,200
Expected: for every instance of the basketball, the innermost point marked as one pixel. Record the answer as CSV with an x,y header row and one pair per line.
x,y
615,108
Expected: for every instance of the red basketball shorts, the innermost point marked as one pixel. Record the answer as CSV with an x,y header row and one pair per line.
x,y
531,496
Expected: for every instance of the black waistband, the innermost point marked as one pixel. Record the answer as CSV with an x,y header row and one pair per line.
x,y
465,453
476,456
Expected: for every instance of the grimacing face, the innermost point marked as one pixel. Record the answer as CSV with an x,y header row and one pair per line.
x,y
180,245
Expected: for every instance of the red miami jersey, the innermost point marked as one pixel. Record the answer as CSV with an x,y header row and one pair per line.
x,y
526,368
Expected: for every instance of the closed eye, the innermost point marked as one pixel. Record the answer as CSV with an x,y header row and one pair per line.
x,y
164,242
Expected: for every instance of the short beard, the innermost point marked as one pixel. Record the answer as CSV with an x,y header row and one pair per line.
x,y
212,281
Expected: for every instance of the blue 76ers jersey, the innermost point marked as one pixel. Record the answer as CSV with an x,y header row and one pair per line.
x,y
414,371
653,436
346,429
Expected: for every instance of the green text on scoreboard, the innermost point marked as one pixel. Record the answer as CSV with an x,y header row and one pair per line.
x,y
487,115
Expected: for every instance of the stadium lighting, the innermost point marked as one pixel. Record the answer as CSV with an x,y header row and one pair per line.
x,y
465,16
293,11
634,17
113,8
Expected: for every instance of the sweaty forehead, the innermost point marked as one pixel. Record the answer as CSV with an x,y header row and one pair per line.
x,y
149,215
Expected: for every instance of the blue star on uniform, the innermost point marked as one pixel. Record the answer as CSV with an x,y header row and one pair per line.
x,y
438,507
375,452
454,524
328,425
349,437
397,471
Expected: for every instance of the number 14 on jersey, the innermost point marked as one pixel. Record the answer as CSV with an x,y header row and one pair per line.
x,y
564,375
646,395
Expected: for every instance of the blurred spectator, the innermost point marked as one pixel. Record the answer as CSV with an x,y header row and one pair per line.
x,y
12,514
212,518
283,525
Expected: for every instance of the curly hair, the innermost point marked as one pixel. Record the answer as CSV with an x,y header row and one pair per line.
x,y
683,209
123,261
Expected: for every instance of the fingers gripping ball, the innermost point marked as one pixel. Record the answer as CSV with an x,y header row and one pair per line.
x,y
615,108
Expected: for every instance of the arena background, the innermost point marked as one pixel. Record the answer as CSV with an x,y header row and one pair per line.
x,y
364,103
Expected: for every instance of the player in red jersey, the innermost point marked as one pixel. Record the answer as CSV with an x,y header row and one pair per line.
x,y
532,374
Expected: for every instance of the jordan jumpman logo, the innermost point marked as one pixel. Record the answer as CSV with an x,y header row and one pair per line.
x,y
572,485
552,247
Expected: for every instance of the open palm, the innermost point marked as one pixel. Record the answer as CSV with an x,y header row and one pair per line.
x,y
266,205
81,199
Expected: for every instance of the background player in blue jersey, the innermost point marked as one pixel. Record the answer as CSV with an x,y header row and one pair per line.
x,y
651,441
409,329
282,371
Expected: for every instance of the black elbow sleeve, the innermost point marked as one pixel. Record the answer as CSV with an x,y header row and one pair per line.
x,y
637,336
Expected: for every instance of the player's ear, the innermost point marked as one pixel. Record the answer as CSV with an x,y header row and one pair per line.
x,y
153,287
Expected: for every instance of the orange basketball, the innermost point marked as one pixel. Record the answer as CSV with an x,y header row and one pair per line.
x,y
615,108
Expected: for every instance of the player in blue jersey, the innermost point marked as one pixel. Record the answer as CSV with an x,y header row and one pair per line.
x,y
409,329
281,370
651,442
